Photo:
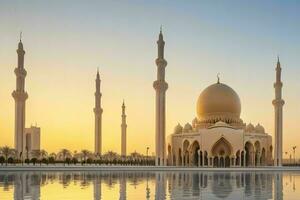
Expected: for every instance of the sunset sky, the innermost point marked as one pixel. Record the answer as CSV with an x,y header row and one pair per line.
x,y
66,41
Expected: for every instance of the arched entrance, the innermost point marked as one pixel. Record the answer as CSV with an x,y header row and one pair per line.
x,y
186,157
195,153
221,151
216,162
227,161
179,157
249,148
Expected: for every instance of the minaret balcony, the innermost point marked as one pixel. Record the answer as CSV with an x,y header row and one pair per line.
x,y
161,62
160,85
20,72
98,110
278,102
278,84
20,95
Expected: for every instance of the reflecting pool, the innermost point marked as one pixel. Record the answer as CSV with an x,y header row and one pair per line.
x,y
149,185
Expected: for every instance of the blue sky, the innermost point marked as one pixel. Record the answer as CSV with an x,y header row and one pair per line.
x,y
67,40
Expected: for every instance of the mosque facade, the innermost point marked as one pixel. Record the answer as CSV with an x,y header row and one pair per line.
x,y
217,137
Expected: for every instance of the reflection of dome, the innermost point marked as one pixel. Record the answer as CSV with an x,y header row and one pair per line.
x,y
259,128
219,102
187,127
249,128
178,129
221,185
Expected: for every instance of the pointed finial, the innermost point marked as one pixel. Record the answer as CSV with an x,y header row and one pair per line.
x,y
98,76
20,36
123,103
160,28
278,62
218,77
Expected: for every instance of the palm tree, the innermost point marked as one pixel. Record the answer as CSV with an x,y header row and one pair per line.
x,y
7,151
85,153
36,155
52,158
64,153
43,155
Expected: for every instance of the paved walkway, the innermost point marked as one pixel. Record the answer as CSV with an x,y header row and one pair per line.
x,y
60,167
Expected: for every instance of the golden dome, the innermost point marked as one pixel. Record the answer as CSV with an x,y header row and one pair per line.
x,y
219,102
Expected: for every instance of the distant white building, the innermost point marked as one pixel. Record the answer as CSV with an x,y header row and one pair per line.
x,y
32,138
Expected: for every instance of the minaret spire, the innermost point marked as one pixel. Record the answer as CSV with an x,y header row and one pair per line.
x,y
278,103
20,96
123,131
98,116
160,87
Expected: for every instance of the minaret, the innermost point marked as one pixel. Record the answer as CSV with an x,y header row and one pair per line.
x,y
98,116
123,131
20,96
278,103
160,87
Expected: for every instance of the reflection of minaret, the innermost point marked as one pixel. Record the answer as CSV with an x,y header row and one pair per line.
x,y
27,186
278,186
123,131
123,187
160,185
160,87
20,97
278,103
98,116
97,188
147,189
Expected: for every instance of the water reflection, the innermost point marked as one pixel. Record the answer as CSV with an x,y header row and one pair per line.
x,y
145,185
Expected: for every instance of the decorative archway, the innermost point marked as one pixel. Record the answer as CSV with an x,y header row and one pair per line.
x,y
179,157
221,150
216,162
227,161
257,153
186,157
249,149
195,153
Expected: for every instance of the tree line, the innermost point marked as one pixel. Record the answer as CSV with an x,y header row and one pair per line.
x,y
64,156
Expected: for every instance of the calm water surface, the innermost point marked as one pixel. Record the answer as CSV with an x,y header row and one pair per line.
x,y
149,185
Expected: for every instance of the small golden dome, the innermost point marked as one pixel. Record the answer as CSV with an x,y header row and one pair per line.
x,y
259,128
187,128
178,129
219,102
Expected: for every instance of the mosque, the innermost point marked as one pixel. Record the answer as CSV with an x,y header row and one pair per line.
x,y
217,137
